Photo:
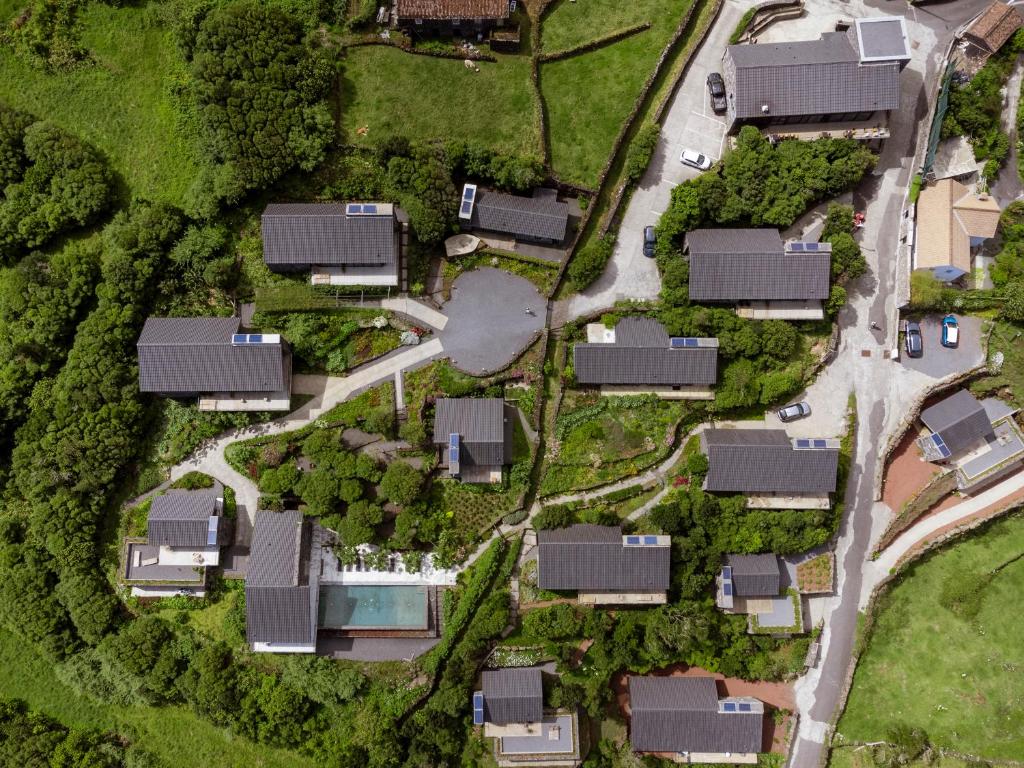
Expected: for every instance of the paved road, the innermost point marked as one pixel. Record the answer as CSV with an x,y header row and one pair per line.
x,y
689,123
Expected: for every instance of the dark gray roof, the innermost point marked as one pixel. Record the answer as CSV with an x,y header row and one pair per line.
x,y
190,355
641,355
754,265
594,557
960,420
764,461
322,234
754,575
484,427
181,518
282,581
680,714
530,217
513,696
811,77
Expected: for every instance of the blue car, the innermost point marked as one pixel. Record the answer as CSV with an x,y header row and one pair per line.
x,y
950,332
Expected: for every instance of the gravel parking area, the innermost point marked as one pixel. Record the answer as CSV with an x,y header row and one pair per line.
x,y
488,325
939,361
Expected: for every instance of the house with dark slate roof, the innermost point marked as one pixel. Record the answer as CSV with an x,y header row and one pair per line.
x,y
755,270
510,707
282,589
978,440
844,83
684,717
604,566
762,587
638,356
539,219
351,244
773,471
212,358
185,531
468,18
474,437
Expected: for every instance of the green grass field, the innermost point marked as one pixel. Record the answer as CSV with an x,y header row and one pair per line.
x,y
588,97
174,734
120,104
388,91
956,675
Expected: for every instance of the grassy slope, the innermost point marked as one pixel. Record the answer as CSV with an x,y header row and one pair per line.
x,y
120,105
389,91
589,96
174,734
957,679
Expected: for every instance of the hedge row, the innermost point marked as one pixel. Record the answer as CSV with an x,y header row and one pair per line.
x,y
593,45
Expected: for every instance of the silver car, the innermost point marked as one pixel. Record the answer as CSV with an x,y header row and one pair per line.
x,y
795,411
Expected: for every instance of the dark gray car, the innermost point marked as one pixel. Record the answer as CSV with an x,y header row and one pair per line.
x,y
913,339
716,87
650,240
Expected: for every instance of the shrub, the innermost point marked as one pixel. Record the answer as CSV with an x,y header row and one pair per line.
x,y
589,262
1013,307
554,517
641,149
556,622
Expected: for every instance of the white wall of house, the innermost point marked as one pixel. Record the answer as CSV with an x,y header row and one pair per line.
x,y
283,648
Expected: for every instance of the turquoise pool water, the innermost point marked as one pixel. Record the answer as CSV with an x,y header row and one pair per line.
x,y
370,606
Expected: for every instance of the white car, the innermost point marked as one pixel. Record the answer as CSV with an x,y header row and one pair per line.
x,y
695,159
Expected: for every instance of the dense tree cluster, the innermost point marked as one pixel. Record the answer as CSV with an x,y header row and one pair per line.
x,y
260,90
48,34
50,182
41,300
762,183
30,738
85,425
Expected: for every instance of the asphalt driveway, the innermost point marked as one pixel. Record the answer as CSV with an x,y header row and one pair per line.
x,y
939,361
488,323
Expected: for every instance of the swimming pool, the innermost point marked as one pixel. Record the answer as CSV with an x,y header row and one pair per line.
x,y
372,606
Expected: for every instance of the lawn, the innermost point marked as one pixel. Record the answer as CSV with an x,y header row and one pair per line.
x,y
387,91
121,104
588,97
173,734
571,24
946,650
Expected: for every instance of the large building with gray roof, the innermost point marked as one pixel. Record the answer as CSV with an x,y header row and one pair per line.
x,y
639,356
848,77
684,715
185,531
282,587
474,437
542,218
351,244
210,357
770,468
604,566
755,268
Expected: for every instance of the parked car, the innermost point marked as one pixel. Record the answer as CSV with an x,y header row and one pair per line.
x,y
950,332
650,240
716,87
695,159
795,411
913,339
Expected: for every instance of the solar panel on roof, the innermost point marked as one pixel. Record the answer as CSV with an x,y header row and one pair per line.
x,y
803,443
745,707
255,338
796,246
679,342
633,540
726,571
467,208
353,208
369,208
811,246
729,706
239,338
650,540
478,708
820,443
727,589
